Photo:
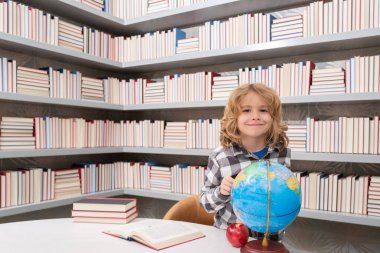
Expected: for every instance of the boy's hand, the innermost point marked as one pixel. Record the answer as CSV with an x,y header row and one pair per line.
x,y
226,185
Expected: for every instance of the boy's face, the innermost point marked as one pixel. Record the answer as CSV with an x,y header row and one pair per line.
x,y
254,120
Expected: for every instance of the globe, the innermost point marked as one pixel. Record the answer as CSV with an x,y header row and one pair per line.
x,y
249,196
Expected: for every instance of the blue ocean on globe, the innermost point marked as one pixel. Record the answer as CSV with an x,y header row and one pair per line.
x,y
249,196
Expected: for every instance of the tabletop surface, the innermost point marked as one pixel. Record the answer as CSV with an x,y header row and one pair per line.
x,y
63,235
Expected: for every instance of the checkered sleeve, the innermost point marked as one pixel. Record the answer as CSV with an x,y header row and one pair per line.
x,y
211,199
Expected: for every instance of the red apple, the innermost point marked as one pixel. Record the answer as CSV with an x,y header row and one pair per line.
x,y
237,234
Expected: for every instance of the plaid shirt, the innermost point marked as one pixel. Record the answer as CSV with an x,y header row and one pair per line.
x,y
229,162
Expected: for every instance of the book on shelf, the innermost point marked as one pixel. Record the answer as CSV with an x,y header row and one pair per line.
x,y
158,234
105,204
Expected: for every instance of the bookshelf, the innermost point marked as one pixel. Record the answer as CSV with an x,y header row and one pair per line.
x,y
273,49
299,156
312,99
54,203
19,44
282,48
191,15
185,16
341,217
305,213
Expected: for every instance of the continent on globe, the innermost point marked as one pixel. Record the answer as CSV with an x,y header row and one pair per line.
x,y
249,196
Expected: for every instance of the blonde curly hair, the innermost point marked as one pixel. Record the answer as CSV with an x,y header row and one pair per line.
x,y
230,133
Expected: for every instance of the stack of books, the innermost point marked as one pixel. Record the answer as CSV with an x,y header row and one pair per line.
x,y
157,5
188,45
287,27
175,135
105,210
223,86
97,4
374,196
70,36
154,92
32,81
66,183
328,81
160,178
92,89
297,137
16,133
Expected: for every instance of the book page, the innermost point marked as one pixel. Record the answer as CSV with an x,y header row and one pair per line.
x,y
165,231
127,230
158,233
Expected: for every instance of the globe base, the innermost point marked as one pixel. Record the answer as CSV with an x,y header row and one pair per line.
x,y
255,246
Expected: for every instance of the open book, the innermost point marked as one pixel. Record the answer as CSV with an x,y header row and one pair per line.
x,y
158,234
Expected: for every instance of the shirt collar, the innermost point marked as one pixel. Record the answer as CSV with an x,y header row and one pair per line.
x,y
236,149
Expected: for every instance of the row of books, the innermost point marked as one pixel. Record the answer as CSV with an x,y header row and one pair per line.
x,y
129,9
236,31
360,75
320,191
78,133
291,79
22,20
33,185
338,193
327,17
28,22
318,18
25,186
179,178
352,135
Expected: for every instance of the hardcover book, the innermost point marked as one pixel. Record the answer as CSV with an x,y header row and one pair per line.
x,y
105,204
157,234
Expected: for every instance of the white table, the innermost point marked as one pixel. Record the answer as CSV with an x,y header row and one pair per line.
x,y
63,235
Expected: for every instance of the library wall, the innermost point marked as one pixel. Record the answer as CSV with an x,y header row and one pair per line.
x,y
306,235
319,236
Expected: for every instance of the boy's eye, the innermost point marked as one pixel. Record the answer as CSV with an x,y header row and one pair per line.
x,y
264,110
246,110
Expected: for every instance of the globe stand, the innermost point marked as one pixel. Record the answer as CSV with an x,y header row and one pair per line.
x,y
265,245
256,246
